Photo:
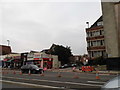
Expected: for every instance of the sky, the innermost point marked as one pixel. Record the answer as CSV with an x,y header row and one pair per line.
x,y
36,25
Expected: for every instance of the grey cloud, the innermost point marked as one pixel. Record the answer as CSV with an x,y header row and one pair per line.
x,y
37,25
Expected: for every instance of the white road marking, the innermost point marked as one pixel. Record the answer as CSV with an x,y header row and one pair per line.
x,y
58,82
29,84
95,82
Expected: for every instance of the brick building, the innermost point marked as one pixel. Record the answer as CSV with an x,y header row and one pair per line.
x,y
95,39
5,50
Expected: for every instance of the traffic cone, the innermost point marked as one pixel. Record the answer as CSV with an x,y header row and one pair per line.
x,y
42,74
76,76
29,73
20,72
3,72
59,74
6,72
14,72
97,75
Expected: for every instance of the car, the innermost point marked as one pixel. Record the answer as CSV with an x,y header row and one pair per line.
x,y
113,84
64,66
73,65
30,68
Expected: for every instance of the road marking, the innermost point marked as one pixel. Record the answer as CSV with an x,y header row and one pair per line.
x,y
29,84
95,82
57,82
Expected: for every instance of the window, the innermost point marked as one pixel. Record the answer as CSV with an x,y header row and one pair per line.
x,y
88,44
102,32
102,42
90,33
100,23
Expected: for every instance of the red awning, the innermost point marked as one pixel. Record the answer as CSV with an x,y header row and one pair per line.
x,y
47,58
5,59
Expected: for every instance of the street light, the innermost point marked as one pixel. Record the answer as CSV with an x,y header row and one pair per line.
x,y
89,46
87,24
8,42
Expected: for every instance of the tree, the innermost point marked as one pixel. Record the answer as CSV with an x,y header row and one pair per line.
x,y
63,53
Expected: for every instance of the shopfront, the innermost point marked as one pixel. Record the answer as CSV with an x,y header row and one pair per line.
x,y
42,60
12,61
47,62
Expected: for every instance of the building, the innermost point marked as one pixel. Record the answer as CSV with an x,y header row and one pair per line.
x,y
111,19
95,40
5,50
12,60
41,59
75,59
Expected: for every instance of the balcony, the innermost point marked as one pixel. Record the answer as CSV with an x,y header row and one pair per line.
x,y
95,38
94,29
96,48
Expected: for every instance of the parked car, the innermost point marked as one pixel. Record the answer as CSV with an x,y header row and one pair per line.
x,y
64,66
33,69
113,84
73,65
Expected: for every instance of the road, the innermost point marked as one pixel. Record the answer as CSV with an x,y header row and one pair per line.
x,y
51,79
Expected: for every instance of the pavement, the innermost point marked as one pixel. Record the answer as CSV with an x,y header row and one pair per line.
x,y
80,71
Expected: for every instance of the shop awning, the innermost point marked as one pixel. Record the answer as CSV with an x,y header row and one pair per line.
x,y
10,60
5,60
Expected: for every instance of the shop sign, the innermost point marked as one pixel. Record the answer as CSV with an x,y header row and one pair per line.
x,y
16,57
45,55
37,55
30,57
36,58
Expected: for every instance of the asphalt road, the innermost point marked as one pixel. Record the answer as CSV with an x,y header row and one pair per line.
x,y
68,80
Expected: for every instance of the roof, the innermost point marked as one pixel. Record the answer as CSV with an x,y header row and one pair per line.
x,y
5,50
95,24
47,51
34,52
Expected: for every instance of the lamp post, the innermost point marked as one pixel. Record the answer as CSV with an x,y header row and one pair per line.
x,y
87,24
89,41
8,42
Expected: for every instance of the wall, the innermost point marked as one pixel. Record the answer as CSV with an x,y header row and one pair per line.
x,y
55,61
117,11
110,29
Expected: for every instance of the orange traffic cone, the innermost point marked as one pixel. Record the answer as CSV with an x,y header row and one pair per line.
x,y
59,74
20,72
76,76
6,72
42,74
3,72
14,72
97,75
